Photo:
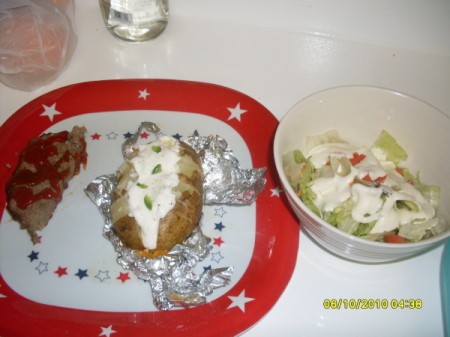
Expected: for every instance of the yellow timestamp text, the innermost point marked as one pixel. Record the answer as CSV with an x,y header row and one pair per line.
x,y
371,303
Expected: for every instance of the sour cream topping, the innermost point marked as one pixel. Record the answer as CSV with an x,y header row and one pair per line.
x,y
150,192
332,191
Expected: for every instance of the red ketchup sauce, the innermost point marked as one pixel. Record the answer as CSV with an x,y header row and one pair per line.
x,y
38,153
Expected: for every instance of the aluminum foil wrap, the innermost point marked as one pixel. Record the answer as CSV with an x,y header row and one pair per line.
x,y
225,182
172,277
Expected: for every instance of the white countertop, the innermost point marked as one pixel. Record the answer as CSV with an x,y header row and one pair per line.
x,y
277,53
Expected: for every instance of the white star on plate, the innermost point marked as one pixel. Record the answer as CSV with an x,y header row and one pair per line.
x,y
143,94
239,301
236,112
42,268
220,212
112,135
2,296
216,257
102,275
107,331
275,192
50,111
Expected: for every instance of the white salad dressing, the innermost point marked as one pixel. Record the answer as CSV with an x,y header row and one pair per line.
x,y
332,191
151,196
391,217
367,203
368,206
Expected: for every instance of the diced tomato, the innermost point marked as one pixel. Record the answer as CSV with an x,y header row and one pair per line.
x,y
399,170
367,178
302,170
357,157
402,172
393,238
381,180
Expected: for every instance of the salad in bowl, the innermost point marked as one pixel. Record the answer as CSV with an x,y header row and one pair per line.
x,y
365,191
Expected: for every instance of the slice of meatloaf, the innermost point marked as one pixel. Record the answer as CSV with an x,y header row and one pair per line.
x,y
45,168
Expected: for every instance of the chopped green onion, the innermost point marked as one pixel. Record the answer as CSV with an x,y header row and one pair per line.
x,y
157,169
156,148
141,185
148,202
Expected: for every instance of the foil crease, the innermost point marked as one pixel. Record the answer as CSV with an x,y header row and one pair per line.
x,y
172,277
225,182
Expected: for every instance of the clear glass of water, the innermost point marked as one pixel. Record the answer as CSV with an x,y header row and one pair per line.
x,y
135,20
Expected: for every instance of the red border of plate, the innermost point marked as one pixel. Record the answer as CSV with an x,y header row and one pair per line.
x,y
276,242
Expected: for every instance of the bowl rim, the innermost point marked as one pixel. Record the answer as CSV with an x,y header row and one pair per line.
x,y
365,87
352,238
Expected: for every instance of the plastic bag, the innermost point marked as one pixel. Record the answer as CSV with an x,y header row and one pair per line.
x,y
37,40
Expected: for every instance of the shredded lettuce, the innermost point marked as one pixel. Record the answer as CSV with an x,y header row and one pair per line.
x,y
373,236
394,152
292,169
341,217
302,174
331,136
432,193
417,231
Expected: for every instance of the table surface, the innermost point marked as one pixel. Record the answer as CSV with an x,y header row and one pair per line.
x,y
278,53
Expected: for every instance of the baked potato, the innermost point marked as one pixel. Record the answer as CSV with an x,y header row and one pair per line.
x,y
158,199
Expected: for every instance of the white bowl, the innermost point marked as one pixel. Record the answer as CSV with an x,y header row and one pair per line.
x,y
359,114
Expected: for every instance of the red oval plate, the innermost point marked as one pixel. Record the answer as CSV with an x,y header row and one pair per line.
x,y
274,242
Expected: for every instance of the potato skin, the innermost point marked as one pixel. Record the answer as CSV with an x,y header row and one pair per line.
x,y
179,223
